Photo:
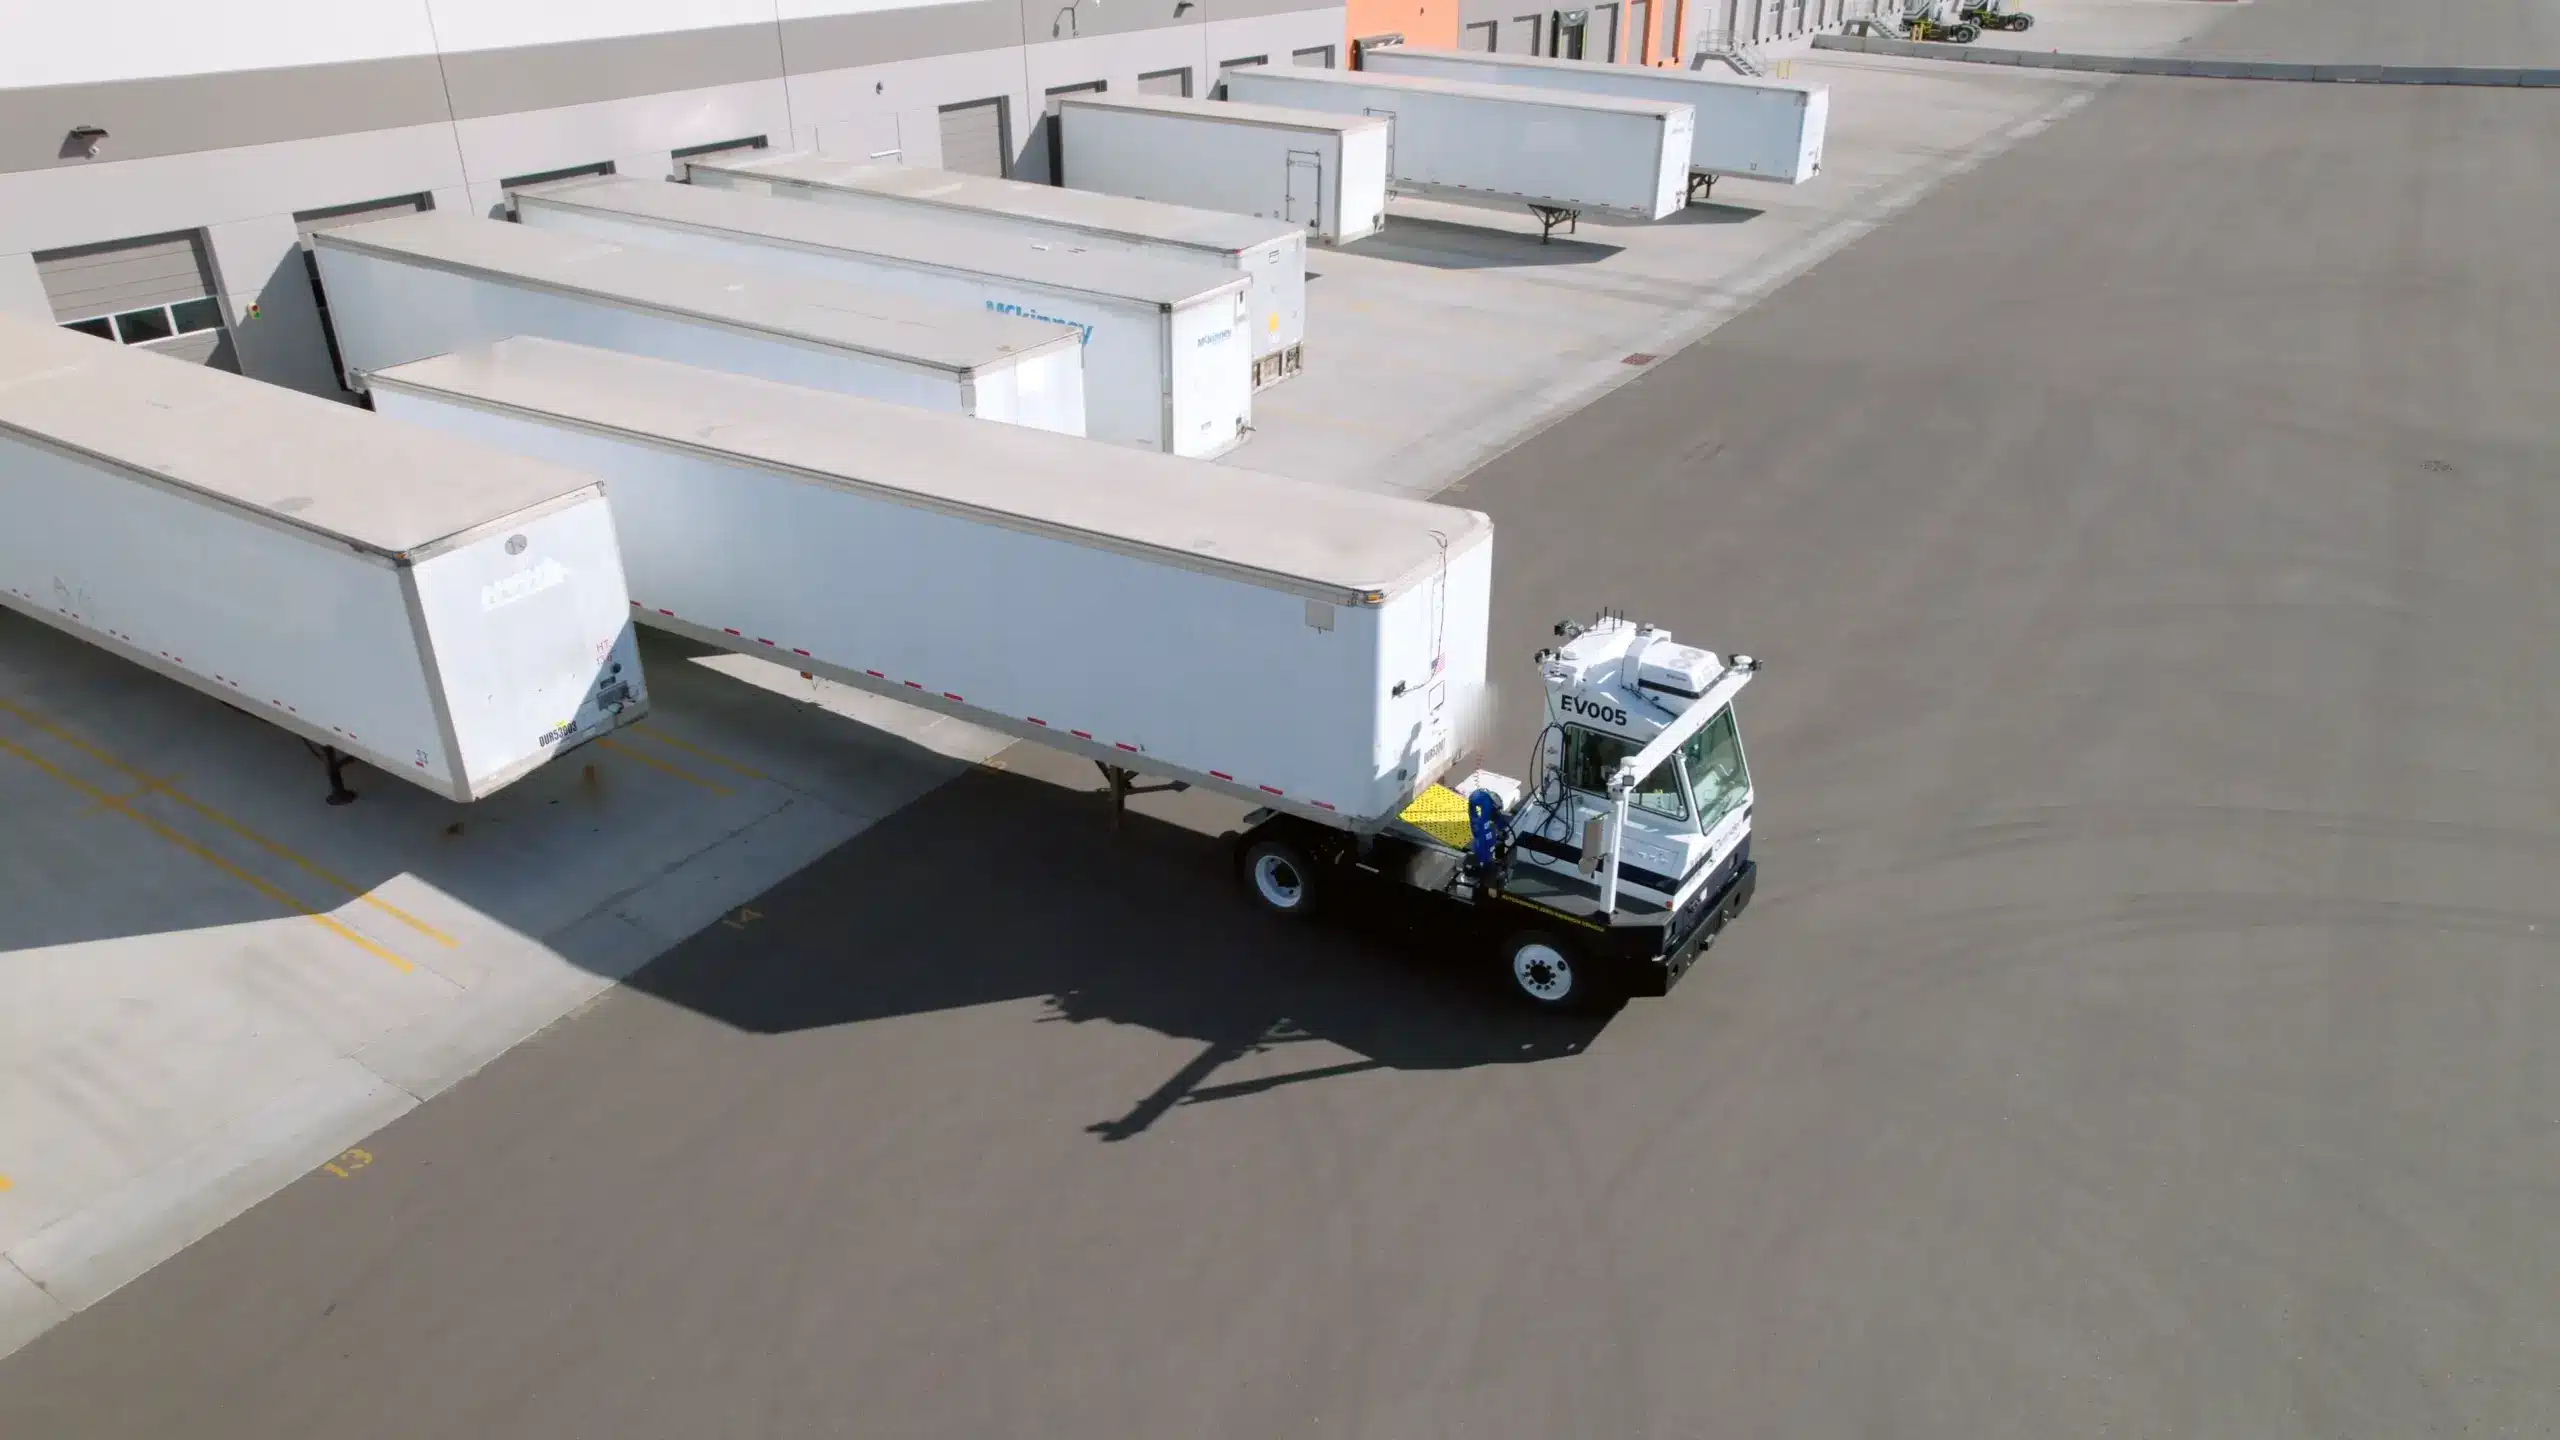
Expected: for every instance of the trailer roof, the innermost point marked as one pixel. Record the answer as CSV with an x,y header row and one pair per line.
x,y
984,194
1508,94
920,240
1231,111
1720,79
1316,540
303,462
818,312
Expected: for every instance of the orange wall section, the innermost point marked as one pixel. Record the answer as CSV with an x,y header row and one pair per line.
x,y
1420,22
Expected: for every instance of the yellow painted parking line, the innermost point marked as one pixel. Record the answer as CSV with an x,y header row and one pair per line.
x,y
7,1184
654,763
121,807
688,747
151,785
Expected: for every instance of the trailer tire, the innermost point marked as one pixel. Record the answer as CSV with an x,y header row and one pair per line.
x,y
1281,878
1546,972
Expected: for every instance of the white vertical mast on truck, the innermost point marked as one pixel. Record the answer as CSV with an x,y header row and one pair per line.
x,y
445,612
1272,252
421,285
1166,363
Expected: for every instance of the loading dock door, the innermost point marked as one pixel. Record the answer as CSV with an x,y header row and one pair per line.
x,y
156,291
1176,83
312,222
973,138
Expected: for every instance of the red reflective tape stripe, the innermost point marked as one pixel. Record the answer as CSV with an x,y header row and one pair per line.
x,y
874,674
733,632
1221,774
1324,804
1081,734
1036,720
796,650
947,695
762,641
665,611
1274,790
913,685
1132,749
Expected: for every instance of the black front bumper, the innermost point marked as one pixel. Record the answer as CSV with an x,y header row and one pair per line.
x,y
1653,969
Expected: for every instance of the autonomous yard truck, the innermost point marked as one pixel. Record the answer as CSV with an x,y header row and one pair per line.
x,y
1313,652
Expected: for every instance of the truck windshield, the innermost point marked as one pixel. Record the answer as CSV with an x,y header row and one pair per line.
x,y
1590,758
1717,774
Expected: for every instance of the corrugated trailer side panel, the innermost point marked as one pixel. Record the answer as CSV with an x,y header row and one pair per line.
x,y
1491,143
1314,169
1751,128
1334,705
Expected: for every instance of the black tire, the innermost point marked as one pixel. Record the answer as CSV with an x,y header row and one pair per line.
x,y
1965,34
1282,879
1548,973
2022,22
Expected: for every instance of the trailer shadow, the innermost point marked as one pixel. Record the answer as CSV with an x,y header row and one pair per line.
x,y
1450,245
998,887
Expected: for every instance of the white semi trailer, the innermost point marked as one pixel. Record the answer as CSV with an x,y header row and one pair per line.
x,y
1322,172
1562,155
1272,252
445,612
1747,127
420,285
1314,652
1167,365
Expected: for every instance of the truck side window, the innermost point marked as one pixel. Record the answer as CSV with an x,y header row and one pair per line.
x,y
1590,758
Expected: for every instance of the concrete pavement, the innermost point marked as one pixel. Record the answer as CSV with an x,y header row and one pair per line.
x,y
2144,1027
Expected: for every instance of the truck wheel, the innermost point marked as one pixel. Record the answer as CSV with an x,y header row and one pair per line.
x,y
1545,972
1281,877
1965,34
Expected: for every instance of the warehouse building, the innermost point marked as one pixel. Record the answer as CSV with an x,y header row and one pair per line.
x,y
161,161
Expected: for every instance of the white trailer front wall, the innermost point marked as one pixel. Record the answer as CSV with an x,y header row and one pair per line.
x,y
1759,129
1276,304
389,311
530,624
1185,669
312,634
1490,143
1311,171
1130,377
1432,650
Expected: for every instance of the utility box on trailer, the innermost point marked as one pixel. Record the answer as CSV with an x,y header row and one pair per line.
x,y
1561,155
1272,252
445,612
420,285
1752,128
1166,362
1313,649
1324,173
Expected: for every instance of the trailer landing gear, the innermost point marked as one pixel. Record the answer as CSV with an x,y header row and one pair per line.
x,y
336,760
1124,783
1551,216
1700,186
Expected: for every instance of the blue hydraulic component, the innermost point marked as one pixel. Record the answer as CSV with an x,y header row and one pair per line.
x,y
1487,825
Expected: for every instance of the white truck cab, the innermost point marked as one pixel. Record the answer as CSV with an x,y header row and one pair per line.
x,y
1620,860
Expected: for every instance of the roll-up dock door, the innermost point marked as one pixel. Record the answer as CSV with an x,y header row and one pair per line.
x,y
312,222
973,138
156,292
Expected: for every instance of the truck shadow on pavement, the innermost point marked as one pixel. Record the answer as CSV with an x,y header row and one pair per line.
x,y
1449,245
997,887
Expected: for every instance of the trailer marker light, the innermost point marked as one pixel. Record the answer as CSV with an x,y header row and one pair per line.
x,y
1223,775
664,611
1324,804
762,641
874,674
796,650
913,685
732,631
1081,734
1273,790
1132,749
1036,720
947,695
